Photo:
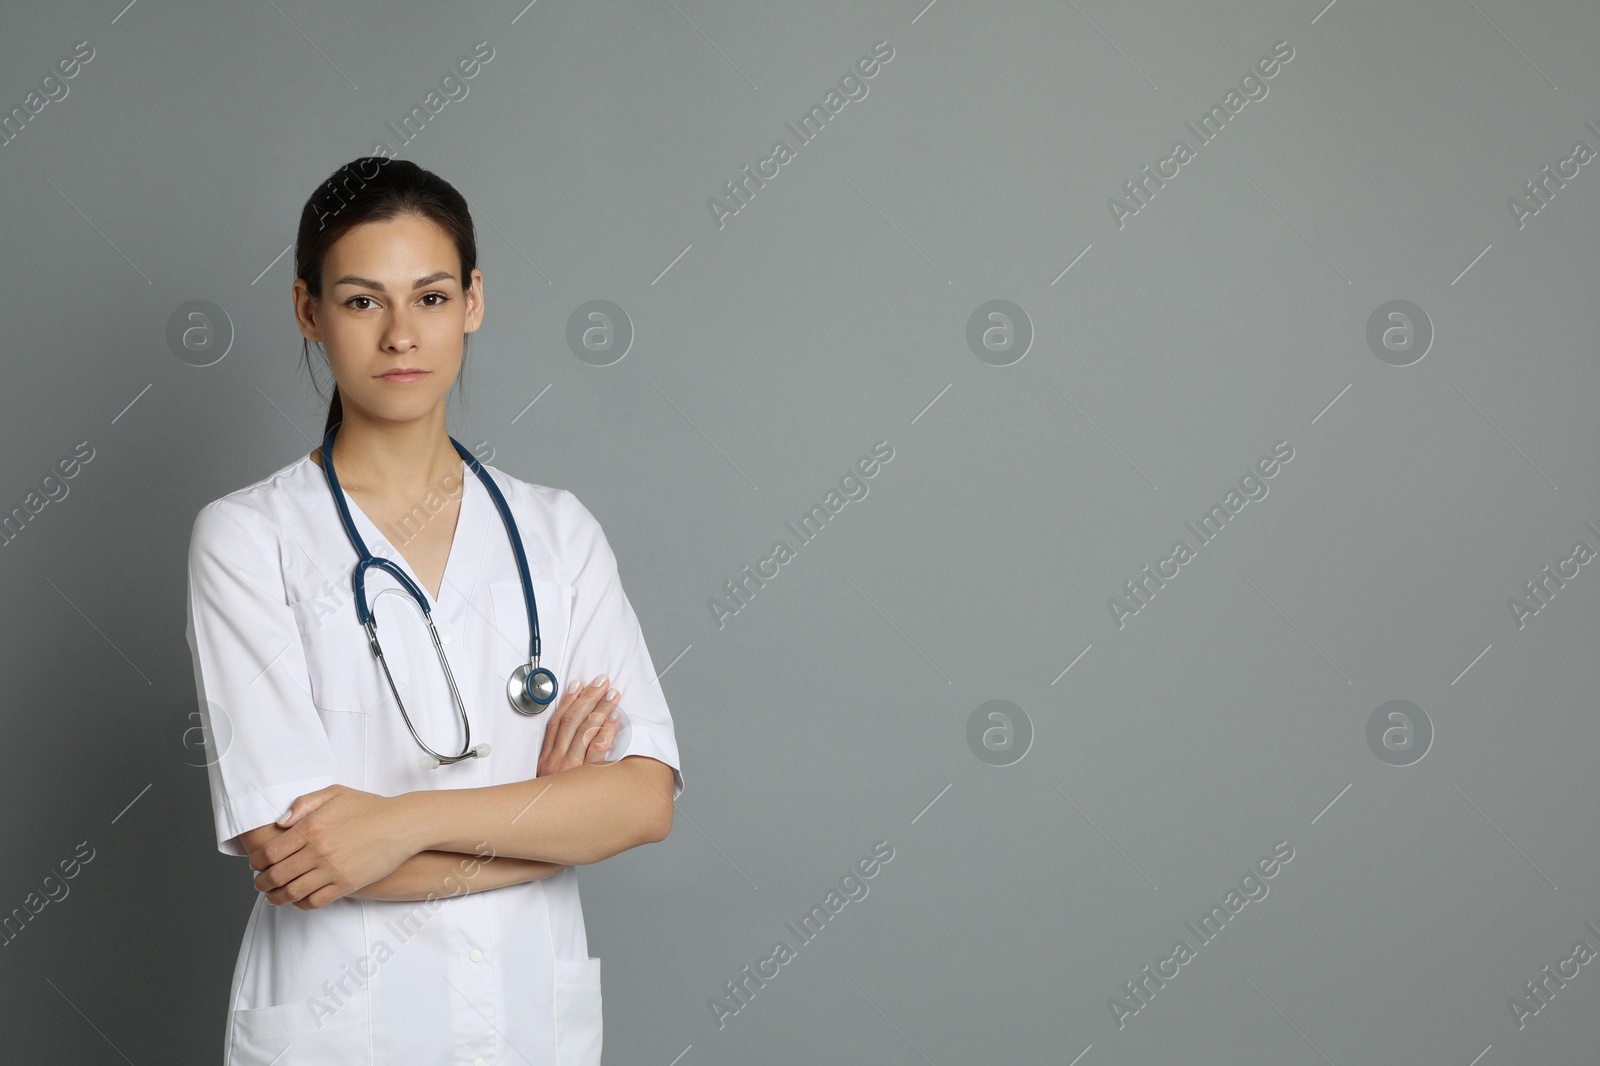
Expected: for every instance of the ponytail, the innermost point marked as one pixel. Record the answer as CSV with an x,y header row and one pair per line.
x,y
335,411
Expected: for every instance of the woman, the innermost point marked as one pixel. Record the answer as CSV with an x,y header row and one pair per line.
x,y
435,913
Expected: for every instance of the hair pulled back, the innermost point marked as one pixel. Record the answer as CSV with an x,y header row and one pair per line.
x,y
376,189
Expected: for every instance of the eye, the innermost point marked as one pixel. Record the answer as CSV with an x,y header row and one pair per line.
x,y
353,299
442,298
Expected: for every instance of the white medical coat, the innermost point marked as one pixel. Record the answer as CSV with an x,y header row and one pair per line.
x,y
294,701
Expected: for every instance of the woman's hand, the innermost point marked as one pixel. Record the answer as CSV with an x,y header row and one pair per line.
x,y
336,840
582,728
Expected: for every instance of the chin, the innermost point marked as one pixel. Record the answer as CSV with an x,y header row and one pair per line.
x,y
415,408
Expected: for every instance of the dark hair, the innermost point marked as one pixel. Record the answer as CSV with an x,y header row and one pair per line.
x,y
376,189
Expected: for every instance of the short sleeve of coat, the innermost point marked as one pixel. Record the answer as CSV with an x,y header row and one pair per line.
x,y
264,740
606,639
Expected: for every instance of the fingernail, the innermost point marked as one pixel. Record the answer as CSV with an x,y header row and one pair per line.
x,y
597,682
613,694
614,713
572,686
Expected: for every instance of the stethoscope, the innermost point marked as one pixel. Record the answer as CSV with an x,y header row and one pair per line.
x,y
530,688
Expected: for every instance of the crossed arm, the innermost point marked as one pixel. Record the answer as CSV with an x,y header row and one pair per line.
x,y
341,841
430,874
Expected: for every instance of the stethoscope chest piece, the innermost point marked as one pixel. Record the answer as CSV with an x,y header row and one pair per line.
x,y
531,688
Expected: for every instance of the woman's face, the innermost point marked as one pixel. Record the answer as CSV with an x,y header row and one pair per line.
x,y
392,300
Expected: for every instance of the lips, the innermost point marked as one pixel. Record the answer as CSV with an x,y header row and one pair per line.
x,y
404,374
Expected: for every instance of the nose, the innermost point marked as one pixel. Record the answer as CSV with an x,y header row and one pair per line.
x,y
399,334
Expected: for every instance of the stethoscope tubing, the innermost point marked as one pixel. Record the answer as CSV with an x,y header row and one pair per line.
x,y
365,560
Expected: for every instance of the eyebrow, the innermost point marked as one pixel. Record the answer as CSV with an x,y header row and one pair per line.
x,y
368,283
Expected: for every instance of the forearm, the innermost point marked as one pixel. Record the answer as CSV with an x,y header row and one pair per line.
x,y
578,816
451,873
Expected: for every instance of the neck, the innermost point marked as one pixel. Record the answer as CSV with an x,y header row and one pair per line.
x,y
397,460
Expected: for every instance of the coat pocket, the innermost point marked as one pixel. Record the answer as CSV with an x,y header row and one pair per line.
x,y
345,675
554,605
295,1033
579,1028
338,659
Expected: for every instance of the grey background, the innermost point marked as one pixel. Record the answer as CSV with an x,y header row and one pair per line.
x,y
832,712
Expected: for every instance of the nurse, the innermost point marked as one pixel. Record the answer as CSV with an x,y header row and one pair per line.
x,y
405,914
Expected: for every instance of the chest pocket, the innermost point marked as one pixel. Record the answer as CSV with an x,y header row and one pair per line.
x,y
341,665
554,603
345,675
